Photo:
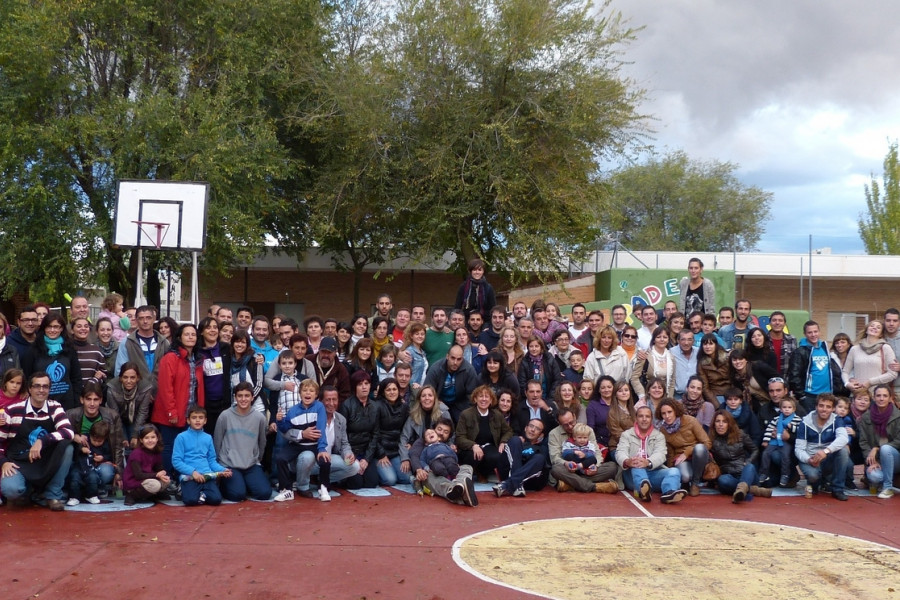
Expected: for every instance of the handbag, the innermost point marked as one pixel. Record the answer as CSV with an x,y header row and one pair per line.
x,y
711,471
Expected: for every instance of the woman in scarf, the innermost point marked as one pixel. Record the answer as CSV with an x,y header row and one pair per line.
x,y
879,440
867,362
247,366
476,294
108,346
131,397
54,354
686,442
695,404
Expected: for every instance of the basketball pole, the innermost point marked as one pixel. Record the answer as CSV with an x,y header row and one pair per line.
x,y
139,290
195,286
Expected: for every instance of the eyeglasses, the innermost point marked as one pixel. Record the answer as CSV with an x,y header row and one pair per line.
x,y
628,336
40,386
530,426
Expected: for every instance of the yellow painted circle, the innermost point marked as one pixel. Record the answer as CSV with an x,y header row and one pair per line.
x,y
665,558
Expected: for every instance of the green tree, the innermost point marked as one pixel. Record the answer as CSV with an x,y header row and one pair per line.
x,y
676,203
503,111
880,229
353,195
96,91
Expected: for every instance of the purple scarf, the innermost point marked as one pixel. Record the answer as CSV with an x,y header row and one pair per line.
x,y
880,418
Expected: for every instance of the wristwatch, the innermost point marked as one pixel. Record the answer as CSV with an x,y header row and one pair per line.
x,y
827,451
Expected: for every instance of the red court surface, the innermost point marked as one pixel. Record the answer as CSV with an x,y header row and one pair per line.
x,y
395,547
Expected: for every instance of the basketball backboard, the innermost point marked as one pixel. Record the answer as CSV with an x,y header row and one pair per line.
x,y
164,215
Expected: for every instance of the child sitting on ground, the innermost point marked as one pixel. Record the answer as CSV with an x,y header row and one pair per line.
x,y
579,452
778,442
144,477
84,474
439,456
194,457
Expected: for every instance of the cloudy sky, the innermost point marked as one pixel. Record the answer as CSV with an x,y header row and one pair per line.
x,y
803,95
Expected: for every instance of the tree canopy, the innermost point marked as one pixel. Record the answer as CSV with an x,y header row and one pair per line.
x,y
413,127
96,91
673,202
880,228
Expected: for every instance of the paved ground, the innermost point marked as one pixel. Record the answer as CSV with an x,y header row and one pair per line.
x,y
401,546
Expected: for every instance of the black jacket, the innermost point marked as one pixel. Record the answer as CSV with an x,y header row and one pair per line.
x,y
391,418
361,424
799,368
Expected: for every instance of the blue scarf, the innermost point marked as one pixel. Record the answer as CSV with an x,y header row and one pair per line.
x,y
782,422
736,412
54,346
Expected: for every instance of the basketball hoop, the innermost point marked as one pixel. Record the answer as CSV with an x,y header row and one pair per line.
x,y
161,230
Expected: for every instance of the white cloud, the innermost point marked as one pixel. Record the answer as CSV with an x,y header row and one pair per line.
x,y
801,94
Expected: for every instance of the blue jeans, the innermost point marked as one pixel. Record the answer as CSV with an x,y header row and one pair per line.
x,y
391,474
244,483
665,479
692,468
783,456
834,468
190,492
728,483
883,473
15,486
169,433
86,485
307,466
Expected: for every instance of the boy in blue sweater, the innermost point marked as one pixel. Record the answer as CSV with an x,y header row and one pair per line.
x,y
194,457
303,427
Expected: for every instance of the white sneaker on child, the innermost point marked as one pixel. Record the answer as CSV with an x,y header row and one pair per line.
x,y
202,499
324,496
73,502
93,500
284,495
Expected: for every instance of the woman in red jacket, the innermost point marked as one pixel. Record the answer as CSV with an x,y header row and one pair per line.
x,y
180,384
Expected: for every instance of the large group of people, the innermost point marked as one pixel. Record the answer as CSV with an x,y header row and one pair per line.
x,y
243,406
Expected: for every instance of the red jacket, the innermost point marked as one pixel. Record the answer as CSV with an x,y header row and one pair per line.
x,y
174,384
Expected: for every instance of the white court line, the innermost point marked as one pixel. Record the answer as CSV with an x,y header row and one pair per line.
x,y
637,504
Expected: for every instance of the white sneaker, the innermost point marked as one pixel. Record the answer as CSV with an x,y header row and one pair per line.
x,y
73,502
93,500
284,495
323,494
886,493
